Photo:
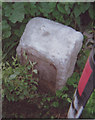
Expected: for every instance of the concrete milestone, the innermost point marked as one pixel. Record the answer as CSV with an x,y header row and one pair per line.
x,y
54,47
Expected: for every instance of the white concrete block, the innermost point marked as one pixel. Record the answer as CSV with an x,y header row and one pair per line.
x,y
54,47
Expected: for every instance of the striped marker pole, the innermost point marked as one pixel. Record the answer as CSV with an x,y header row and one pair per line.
x,y
85,88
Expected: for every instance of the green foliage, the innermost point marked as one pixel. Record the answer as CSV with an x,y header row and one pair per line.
x,y
6,29
83,58
89,111
91,13
55,104
81,8
15,15
73,80
18,84
14,12
62,94
46,8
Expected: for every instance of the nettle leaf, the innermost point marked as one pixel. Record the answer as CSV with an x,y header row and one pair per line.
x,y
15,12
71,4
6,29
91,13
61,8
68,21
58,15
46,8
77,11
85,7
67,8
78,20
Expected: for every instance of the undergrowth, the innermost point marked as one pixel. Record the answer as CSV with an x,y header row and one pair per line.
x,y
18,84
15,16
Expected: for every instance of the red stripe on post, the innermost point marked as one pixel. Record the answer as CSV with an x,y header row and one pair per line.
x,y
84,77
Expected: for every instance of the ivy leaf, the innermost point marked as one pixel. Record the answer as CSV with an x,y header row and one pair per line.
x,y
46,8
6,29
18,13
15,12
6,34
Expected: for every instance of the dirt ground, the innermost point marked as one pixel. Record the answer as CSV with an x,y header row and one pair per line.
x,y
23,109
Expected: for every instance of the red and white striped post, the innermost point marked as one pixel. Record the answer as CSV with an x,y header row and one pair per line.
x,y
85,87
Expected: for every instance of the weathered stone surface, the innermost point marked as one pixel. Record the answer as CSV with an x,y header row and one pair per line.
x,y
54,47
